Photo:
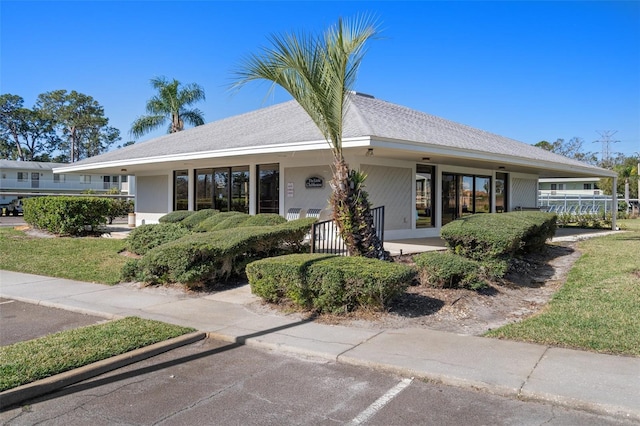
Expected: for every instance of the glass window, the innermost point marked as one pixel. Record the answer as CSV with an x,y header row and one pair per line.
x,y
180,190
425,191
204,189
482,195
464,195
221,189
501,192
240,189
587,186
23,177
268,188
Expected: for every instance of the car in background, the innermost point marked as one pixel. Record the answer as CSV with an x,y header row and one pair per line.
x,y
15,207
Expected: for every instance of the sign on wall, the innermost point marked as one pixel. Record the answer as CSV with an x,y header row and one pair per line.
x,y
314,182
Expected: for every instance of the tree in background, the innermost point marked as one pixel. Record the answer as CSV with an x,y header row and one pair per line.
x,y
10,107
171,104
26,134
80,120
319,72
627,169
569,149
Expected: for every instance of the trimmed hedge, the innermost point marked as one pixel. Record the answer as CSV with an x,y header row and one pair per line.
x,y
215,222
66,215
228,220
204,258
194,219
119,207
328,283
145,237
265,219
498,235
176,216
448,270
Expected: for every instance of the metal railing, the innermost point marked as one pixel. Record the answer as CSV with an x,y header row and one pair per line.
x,y
575,203
325,237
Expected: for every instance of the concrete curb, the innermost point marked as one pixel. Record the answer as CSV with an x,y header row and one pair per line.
x,y
64,307
41,387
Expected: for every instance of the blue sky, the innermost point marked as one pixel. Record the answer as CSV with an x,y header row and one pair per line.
x,y
530,71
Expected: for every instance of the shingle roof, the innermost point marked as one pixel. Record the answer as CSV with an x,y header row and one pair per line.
x,y
28,165
366,117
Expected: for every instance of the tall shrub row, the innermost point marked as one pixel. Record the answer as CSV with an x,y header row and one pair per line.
x,y
67,215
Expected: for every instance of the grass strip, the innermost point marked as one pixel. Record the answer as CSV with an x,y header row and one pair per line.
x,y
89,259
598,308
25,362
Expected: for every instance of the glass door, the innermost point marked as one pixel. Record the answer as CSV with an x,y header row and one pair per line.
x,y
449,197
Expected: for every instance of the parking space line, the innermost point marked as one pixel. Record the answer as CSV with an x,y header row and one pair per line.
x,y
8,301
380,402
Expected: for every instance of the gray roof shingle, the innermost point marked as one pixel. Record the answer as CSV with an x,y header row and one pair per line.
x,y
366,117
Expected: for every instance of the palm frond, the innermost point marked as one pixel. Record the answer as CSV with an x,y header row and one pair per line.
x,y
145,124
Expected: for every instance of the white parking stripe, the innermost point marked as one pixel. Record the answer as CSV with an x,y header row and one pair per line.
x,y
8,301
380,402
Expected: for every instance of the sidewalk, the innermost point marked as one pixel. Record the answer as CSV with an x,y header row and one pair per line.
x,y
594,382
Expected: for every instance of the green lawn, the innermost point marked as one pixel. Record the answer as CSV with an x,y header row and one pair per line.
x,y
85,259
598,308
25,362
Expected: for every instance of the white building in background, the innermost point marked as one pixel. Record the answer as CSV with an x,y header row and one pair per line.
x,y
569,186
22,179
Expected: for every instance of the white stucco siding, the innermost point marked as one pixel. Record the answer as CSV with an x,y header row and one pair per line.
x,y
391,187
524,192
152,198
296,195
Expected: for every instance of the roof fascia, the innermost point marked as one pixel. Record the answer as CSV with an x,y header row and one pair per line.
x,y
426,148
232,152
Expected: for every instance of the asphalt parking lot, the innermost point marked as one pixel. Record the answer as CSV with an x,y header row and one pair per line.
x,y
25,321
12,220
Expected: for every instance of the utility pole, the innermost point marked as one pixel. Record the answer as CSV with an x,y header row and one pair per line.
x,y
606,141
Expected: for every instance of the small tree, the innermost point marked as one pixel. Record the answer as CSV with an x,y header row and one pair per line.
x,y
319,73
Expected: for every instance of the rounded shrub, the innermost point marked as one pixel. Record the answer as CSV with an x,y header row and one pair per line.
x,y
448,270
222,220
194,219
264,219
145,237
328,283
176,216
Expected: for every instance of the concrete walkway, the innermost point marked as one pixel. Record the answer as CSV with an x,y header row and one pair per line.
x,y
595,382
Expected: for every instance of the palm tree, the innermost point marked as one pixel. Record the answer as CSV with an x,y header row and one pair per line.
x,y
319,73
170,103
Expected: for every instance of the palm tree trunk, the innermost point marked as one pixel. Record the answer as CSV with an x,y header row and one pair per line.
x,y
352,214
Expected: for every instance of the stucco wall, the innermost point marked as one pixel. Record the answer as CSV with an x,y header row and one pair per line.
x,y
295,193
524,192
391,187
152,196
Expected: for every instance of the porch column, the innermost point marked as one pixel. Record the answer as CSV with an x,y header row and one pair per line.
x,y
253,189
614,202
170,190
191,192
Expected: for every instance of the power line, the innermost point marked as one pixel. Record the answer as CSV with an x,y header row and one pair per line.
x,y
606,141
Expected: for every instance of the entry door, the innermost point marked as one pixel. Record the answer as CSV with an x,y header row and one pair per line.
x,y
35,180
